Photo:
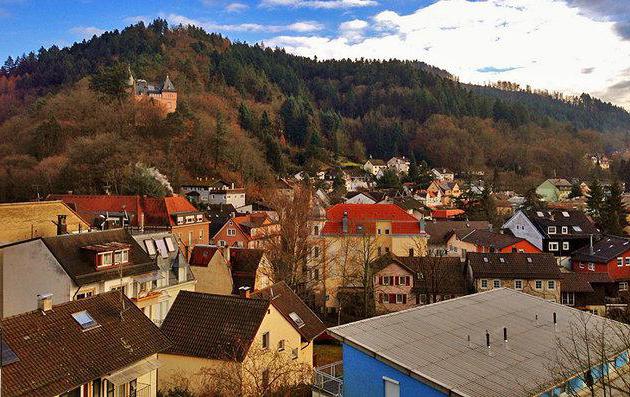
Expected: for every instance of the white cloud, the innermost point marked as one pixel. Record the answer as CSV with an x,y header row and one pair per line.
x,y
543,43
236,7
86,32
353,30
324,4
300,27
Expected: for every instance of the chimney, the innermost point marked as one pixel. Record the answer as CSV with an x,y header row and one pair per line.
x,y
182,273
488,343
244,292
45,302
555,321
344,222
590,245
141,220
226,254
62,226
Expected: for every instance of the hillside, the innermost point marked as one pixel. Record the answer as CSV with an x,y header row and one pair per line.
x,y
247,113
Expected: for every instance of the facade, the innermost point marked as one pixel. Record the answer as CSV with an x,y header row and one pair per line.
x,y
78,266
164,95
465,347
211,269
439,231
89,347
443,174
399,164
354,232
359,198
404,282
172,213
556,189
557,231
375,167
591,292
214,192
211,331
23,221
460,242
534,274
356,179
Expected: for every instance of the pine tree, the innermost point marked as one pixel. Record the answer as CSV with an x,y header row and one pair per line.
x,y
613,218
533,201
595,200
575,190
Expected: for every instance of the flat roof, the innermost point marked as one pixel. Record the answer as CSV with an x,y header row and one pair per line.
x,y
430,342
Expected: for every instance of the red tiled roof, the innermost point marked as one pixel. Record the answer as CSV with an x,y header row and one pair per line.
x,y
446,213
366,216
202,254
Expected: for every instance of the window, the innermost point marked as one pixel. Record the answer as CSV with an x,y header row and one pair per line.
x,y
200,234
386,280
150,247
96,388
565,230
199,218
118,257
391,387
577,228
110,389
316,230
518,284
538,284
107,259
378,231
385,298
619,262
294,353
568,298
222,243
627,260
401,298
623,286
551,284
231,232
386,231
551,229
484,284
297,319
281,345
553,246
411,252
265,340
315,252
85,320
496,283
565,245
591,266
84,294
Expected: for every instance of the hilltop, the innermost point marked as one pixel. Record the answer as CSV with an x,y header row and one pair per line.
x,y
247,113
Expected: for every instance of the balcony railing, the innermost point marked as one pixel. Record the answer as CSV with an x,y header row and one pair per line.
x,y
328,379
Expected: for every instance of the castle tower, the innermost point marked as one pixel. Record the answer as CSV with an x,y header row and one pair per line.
x,y
169,95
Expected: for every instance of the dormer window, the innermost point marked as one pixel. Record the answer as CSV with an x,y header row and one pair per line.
x,y
199,218
104,259
180,220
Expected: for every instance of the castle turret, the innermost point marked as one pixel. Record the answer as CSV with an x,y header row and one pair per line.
x,y
168,85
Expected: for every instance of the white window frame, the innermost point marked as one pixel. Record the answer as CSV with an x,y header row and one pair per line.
x,y
568,298
281,345
551,230
565,230
565,245
495,282
623,286
516,284
627,260
536,285
591,266
553,246
265,340
484,283
394,384
551,284
231,232
620,261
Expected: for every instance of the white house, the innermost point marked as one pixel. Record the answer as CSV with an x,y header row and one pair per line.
x,y
214,192
375,167
399,164
443,174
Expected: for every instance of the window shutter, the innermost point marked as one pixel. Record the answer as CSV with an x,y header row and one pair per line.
x,y
392,298
380,280
407,281
404,299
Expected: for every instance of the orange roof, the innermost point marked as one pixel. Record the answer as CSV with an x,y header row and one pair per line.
x,y
365,216
446,213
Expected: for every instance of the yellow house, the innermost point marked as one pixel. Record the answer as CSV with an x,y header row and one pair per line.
x,y
239,345
81,348
356,234
23,221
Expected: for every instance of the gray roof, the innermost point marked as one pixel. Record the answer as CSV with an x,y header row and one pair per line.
x,y
431,341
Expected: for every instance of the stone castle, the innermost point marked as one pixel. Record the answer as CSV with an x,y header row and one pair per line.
x,y
163,94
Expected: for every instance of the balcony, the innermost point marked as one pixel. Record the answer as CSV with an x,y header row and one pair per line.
x,y
328,380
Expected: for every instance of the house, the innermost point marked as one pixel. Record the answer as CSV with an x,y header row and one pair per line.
x,y
413,207
443,174
254,230
553,230
251,269
174,275
555,189
588,291
214,192
375,167
89,347
446,213
438,232
461,242
404,282
356,179
400,165
172,213
217,331
491,344
23,221
534,274
165,94
610,255
430,199
256,207
354,232
448,190
77,266
359,198
211,269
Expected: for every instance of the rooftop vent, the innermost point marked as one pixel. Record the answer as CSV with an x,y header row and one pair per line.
x,y
485,259
502,260
45,302
85,320
529,260
566,214
540,214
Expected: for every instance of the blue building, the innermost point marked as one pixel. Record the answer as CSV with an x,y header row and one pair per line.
x,y
496,343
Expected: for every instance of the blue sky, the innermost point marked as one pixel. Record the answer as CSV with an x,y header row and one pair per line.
x,y
571,46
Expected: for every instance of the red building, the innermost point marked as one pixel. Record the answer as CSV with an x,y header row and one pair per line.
x,y
609,255
460,242
248,231
173,213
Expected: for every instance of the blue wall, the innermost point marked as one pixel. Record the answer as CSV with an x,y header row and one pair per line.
x,y
363,377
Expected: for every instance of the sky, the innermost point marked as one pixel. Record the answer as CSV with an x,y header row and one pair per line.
x,y
571,46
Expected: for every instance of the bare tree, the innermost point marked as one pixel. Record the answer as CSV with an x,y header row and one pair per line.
x,y
434,278
262,372
592,351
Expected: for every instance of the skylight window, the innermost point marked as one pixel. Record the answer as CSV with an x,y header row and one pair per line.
x,y
150,247
577,228
162,248
169,244
529,260
502,260
8,355
485,259
566,214
540,214
85,320
297,319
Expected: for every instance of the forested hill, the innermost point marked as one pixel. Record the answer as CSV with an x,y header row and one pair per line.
x,y
247,113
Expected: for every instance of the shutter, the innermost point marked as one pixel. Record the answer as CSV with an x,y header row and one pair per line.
x,y
407,281
392,298
404,299
380,280
380,298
